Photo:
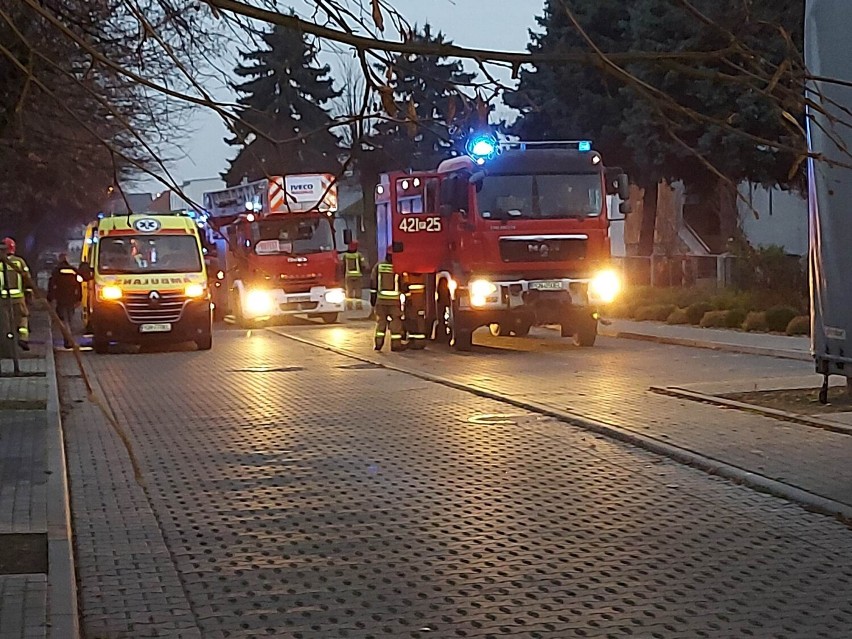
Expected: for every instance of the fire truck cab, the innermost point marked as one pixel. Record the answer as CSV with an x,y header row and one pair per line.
x,y
507,237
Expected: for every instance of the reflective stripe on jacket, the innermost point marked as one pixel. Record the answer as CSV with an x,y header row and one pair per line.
x,y
385,281
352,263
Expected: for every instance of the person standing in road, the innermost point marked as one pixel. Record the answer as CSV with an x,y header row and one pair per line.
x,y
354,265
65,291
15,276
385,298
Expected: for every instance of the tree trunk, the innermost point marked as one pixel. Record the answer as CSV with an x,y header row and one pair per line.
x,y
649,221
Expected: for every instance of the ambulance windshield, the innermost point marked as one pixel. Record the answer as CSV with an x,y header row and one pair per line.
x,y
145,254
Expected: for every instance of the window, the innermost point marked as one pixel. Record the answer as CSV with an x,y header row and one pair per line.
x,y
292,236
417,196
148,254
540,196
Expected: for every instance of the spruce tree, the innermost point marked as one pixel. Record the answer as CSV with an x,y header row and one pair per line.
x,y
284,125
430,110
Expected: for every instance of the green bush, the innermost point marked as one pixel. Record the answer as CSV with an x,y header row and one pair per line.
x,y
677,317
714,319
755,322
735,318
778,317
696,311
654,312
799,325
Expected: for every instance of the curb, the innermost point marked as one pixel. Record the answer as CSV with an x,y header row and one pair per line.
x,y
714,346
804,420
712,466
63,616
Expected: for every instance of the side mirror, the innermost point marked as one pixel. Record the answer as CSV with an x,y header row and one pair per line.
x,y
623,183
85,271
625,208
347,236
477,177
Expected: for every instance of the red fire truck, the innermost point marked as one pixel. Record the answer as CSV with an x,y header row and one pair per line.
x,y
509,236
279,249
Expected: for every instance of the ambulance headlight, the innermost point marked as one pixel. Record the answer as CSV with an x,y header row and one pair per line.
x,y
258,303
111,292
605,287
193,290
480,291
335,296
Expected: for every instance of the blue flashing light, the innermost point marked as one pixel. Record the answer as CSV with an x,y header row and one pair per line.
x,y
481,148
584,146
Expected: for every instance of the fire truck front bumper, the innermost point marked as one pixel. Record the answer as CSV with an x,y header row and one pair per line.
x,y
319,300
539,296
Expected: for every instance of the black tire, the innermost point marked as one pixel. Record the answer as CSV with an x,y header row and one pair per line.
x,y
586,334
328,318
205,342
463,339
100,343
499,330
522,329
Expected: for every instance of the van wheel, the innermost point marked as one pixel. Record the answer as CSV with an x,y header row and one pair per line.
x,y
328,318
100,343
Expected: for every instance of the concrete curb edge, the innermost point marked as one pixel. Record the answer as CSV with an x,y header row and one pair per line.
x,y
714,346
809,500
775,413
63,614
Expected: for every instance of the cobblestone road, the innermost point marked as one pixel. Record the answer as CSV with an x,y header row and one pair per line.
x,y
610,383
295,493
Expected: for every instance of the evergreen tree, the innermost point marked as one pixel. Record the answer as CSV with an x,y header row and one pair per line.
x,y
653,137
284,124
430,110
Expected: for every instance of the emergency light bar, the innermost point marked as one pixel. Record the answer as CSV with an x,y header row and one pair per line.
x,y
583,146
484,147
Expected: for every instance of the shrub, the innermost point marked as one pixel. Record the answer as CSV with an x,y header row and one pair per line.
x,y
778,317
677,316
735,318
696,311
714,319
799,325
755,322
655,312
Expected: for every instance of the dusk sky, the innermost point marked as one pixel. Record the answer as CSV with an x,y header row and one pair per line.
x,y
474,23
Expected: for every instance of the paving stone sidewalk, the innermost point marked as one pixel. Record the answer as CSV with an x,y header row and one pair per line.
x,y
36,579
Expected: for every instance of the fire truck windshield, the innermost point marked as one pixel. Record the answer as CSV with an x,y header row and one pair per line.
x,y
137,254
540,196
291,236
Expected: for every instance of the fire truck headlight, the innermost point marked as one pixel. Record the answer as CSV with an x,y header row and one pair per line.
x,y
193,290
111,292
480,291
605,287
335,296
258,303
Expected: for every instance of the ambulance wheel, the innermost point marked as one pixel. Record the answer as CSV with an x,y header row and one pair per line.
x,y
462,339
583,333
100,343
328,318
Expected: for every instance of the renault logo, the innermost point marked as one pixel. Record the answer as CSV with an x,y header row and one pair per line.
x,y
154,297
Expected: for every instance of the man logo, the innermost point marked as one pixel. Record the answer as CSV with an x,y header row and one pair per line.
x,y
147,225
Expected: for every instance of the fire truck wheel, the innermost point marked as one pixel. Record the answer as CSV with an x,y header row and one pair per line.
x,y
463,339
499,330
584,333
328,318
522,328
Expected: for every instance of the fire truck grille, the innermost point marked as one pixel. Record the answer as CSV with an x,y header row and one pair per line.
x,y
145,307
542,250
299,284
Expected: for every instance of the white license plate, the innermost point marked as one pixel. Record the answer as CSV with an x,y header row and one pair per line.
x,y
299,300
155,328
554,285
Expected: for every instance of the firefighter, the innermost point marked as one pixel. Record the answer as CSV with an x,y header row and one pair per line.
x,y
66,292
354,265
14,280
385,298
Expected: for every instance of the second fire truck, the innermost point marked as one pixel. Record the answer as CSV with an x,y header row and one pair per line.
x,y
279,250
508,236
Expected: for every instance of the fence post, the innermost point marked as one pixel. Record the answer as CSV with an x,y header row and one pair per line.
x,y
653,276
